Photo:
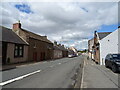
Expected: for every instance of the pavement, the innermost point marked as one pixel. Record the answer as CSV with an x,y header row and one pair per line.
x,y
13,66
53,74
7,67
98,76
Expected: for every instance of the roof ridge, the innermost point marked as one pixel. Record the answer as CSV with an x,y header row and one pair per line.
x,y
12,37
104,32
42,37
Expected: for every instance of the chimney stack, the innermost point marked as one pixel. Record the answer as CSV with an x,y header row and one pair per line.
x,y
55,42
95,32
17,25
59,44
45,36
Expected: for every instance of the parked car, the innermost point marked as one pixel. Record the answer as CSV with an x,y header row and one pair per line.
x,y
70,56
113,61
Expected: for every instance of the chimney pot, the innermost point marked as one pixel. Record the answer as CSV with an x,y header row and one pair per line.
x,y
55,42
95,32
17,26
45,36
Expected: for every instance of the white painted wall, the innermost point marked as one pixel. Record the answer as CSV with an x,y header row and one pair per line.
x,y
109,44
119,40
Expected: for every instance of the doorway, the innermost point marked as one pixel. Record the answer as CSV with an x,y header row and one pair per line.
x,y
35,56
4,53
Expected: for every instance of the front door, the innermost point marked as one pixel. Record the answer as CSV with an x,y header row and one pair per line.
x,y
42,56
4,52
35,56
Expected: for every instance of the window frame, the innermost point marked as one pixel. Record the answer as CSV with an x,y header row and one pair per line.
x,y
18,50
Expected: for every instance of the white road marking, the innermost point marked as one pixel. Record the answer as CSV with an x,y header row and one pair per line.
x,y
116,74
27,65
22,65
45,62
51,66
92,64
82,81
59,63
18,78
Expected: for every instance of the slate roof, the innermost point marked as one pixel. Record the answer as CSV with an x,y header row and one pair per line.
x,y
36,36
58,47
101,35
55,47
9,36
69,50
63,48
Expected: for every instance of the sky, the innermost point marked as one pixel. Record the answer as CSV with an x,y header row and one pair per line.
x,y
68,23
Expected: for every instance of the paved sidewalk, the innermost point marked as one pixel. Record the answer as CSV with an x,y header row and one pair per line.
x,y
13,66
98,76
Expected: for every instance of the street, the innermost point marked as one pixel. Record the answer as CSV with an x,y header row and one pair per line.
x,y
77,72
49,74
54,44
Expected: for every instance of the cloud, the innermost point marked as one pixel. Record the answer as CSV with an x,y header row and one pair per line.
x,y
70,23
23,8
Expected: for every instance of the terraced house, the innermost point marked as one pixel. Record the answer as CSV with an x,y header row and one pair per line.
x,y
40,48
109,45
60,51
98,36
57,51
90,48
14,49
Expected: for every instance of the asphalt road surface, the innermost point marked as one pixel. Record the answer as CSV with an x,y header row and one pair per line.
x,y
49,74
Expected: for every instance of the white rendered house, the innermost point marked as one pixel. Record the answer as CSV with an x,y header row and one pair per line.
x,y
109,44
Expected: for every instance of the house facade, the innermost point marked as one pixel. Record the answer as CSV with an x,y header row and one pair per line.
x,y
109,44
74,50
0,46
64,50
70,52
14,49
98,36
119,39
40,48
57,51
60,51
90,48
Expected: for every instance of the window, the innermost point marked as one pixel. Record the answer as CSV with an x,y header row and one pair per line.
x,y
116,56
18,51
110,56
97,47
107,57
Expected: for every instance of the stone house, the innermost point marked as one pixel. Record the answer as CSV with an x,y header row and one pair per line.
x,y
90,48
60,51
74,50
40,48
64,50
14,49
57,51
70,52
98,36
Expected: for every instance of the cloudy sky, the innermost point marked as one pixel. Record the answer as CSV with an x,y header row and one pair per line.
x,y
69,23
